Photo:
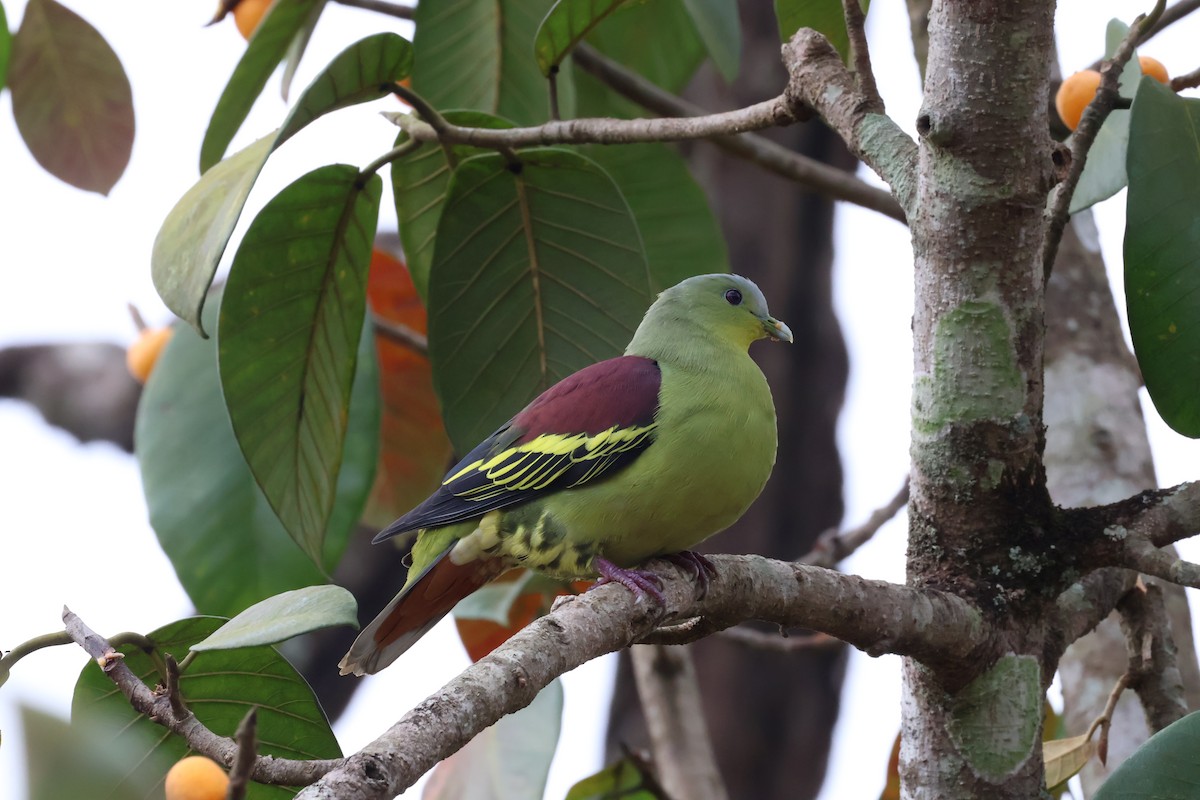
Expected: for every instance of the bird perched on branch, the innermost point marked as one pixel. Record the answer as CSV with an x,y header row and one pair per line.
x,y
637,457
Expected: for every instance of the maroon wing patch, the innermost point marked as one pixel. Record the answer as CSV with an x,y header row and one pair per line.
x,y
620,392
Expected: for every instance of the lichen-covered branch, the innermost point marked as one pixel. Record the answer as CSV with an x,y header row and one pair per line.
x,y
875,615
819,80
1153,659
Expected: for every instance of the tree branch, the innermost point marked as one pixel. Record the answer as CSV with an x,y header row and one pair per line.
x,y
1188,81
820,81
1153,664
1083,606
833,547
860,54
683,752
401,334
1080,142
157,707
926,624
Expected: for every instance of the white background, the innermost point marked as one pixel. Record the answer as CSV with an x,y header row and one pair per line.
x,y
72,517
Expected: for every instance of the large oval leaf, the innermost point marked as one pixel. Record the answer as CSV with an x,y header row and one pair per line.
x,y
1162,251
657,39
419,181
71,98
283,616
219,687
538,272
413,447
291,319
194,235
1164,768
228,548
496,37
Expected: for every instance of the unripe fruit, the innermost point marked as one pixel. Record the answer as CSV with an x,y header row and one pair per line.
x,y
1154,68
196,778
247,14
1074,95
142,355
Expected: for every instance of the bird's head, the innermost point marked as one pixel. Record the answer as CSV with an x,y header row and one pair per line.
x,y
726,305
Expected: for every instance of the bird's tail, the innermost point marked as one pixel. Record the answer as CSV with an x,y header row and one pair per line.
x,y
416,609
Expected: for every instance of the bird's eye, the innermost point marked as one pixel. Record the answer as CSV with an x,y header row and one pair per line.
x,y
733,297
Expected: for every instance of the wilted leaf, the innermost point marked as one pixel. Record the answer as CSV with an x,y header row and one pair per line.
x,y
226,544
193,236
1065,757
537,273
291,319
508,761
219,687
414,450
283,616
70,96
720,29
1162,251
419,182
1164,768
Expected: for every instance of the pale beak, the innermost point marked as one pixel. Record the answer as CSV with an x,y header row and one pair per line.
x,y
777,330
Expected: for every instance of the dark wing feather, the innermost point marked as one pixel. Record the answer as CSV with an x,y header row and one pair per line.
x,y
585,427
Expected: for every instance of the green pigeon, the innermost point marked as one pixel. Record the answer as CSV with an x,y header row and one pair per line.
x,y
637,457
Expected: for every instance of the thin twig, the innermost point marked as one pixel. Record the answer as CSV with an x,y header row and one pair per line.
x,y
401,334
1188,81
157,707
59,638
1080,142
382,7
835,183
172,681
399,151
1105,719
860,54
833,547
247,751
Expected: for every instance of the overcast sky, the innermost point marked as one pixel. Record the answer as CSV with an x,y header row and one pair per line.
x,y
73,520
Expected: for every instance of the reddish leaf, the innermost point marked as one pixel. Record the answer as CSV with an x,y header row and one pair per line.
x,y
414,450
482,636
71,98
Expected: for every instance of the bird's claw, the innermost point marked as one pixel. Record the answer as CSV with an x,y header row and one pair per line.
x,y
701,568
639,582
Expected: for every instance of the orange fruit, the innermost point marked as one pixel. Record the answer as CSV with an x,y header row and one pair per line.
x,y
1074,95
142,355
196,778
1154,68
247,14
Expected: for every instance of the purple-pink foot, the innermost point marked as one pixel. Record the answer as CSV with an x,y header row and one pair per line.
x,y
640,582
701,568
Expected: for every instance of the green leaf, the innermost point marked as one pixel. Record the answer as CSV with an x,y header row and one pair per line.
x,y
628,779
720,29
228,548
496,37
296,48
493,602
267,47
657,39
291,319
824,16
93,757
1162,251
1165,767
508,761
5,46
219,687
71,99
565,26
681,236
194,235
419,182
537,273
283,616
1104,173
